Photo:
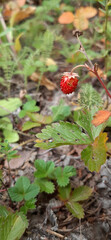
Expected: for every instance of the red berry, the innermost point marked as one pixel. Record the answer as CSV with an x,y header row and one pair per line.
x,y
68,82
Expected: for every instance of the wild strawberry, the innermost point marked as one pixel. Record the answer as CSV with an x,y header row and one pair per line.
x,y
69,82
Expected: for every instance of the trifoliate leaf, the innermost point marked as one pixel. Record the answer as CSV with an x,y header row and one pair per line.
x,y
62,175
23,190
44,169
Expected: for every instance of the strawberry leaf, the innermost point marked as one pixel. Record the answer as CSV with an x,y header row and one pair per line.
x,y
44,169
95,155
63,133
76,209
81,193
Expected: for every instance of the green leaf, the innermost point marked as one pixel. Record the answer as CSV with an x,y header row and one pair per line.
x,y
36,117
95,155
45,185
62,175
83,119
29,106
29,125
4,211
44,169
11,136
28,205
76,209
8,106
12,227
60,112
23,190
81,193
63,133
64,192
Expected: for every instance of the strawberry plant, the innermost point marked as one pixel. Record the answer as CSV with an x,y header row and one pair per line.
x,y
82,131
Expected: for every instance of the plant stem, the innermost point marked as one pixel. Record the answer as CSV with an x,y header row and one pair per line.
x,y
92,68
84,52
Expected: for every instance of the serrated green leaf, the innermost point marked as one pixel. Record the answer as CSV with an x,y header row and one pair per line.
x,y
23,190
76,209
44,169
45,186
60,112
8,106
64,192
63,133
12,227
29,125
62,175
81,193
95,155
83,119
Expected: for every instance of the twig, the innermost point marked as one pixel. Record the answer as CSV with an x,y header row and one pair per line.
x,y
54,233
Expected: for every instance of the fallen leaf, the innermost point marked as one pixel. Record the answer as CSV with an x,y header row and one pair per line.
x,y
86,12
21,2
101,117
44,81
50,61
66,18
100,72
81,23
81,17
22,14
19,161
15,14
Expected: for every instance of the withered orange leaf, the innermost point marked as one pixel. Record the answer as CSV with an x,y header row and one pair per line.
x,y
101,117
81,23
66,18
86,12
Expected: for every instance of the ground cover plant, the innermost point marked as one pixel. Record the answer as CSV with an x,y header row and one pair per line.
x,y
55,96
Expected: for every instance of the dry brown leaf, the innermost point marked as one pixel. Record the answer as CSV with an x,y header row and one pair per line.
x,y
16,14
19,161
101,117
86,12
44,81
66,18
81,23
22,14
21,2
101,74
